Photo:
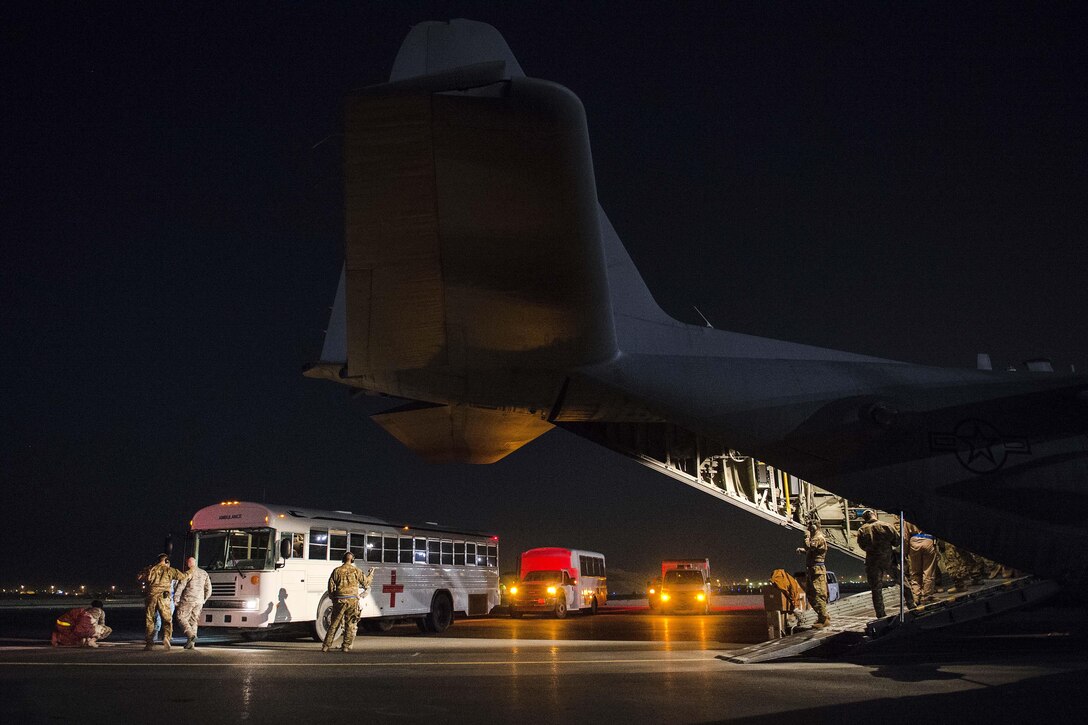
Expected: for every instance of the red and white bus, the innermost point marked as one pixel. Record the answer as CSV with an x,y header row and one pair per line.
x,y
270,565
556,580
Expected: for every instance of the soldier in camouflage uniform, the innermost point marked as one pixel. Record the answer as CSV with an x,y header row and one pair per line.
x,y
815,551
98,617
878,539
344,585
160,579
189,598
961,566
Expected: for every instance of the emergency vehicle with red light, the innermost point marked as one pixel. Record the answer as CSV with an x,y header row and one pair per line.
x,y
685,586
556,581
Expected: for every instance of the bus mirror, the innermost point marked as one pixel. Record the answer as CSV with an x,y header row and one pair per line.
x,y
285,548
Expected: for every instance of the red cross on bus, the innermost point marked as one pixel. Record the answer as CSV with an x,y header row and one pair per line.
x,y
392,588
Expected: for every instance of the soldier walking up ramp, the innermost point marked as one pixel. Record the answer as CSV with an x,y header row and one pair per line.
x,y
853,628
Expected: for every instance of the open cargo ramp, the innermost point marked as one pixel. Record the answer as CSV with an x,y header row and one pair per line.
x,y
853,628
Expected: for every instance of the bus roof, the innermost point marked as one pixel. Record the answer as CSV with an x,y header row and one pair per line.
x,y
246,514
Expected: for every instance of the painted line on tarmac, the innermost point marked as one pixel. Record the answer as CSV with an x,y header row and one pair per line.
x,y
358,664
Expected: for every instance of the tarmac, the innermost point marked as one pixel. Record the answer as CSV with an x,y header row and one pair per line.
x,y
622,666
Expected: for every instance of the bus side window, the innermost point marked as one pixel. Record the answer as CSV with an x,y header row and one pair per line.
x,y
319,543
298,542
357,545
458,553
492,556
421,551
434,555
470,553
338,545
374,548
447,552
406,550
600,567
583,566
390,548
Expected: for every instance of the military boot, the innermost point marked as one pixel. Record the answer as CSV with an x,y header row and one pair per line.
x,y
190,643
148,647
324,648
345,649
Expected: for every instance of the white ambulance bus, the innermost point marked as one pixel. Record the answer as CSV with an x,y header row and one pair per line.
x,y
270,565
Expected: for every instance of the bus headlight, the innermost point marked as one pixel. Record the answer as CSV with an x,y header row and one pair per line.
x,y
700,596
551,590
513,590
652,591
664,597
252,603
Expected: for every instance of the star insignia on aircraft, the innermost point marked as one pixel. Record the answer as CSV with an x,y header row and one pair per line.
x,y
979,446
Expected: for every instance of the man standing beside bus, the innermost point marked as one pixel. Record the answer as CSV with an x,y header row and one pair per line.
x,y
345,584
160,578
190,597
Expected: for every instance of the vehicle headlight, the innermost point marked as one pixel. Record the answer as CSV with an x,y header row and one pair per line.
x,y
664,597
700,596
513,590
651,591
551,590
252,603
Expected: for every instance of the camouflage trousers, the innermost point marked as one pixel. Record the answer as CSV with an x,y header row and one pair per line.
x,y
817,591
189,617
346,612
159,603
875,569
961,565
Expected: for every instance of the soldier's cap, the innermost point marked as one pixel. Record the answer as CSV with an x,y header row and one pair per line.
x,y
97,603
163,557
869,515
348,556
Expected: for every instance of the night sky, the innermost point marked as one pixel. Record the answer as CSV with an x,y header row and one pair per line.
x,y
905,181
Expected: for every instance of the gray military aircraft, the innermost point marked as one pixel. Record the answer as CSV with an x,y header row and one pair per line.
x,y
485,285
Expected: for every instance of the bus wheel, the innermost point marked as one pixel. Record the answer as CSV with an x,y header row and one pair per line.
x,y
561,609
440,617
592,607
422,624
323,619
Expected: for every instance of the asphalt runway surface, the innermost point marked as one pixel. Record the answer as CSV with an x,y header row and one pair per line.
x,y
619,666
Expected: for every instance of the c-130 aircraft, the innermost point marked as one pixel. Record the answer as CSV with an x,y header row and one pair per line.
x,y
484,284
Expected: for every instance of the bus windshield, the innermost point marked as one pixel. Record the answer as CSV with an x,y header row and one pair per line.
x,y
542,576
235,549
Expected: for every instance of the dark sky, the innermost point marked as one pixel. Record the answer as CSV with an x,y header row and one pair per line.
x,y
908,181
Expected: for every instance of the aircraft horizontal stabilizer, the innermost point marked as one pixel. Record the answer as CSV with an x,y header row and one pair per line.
x,y
461,433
